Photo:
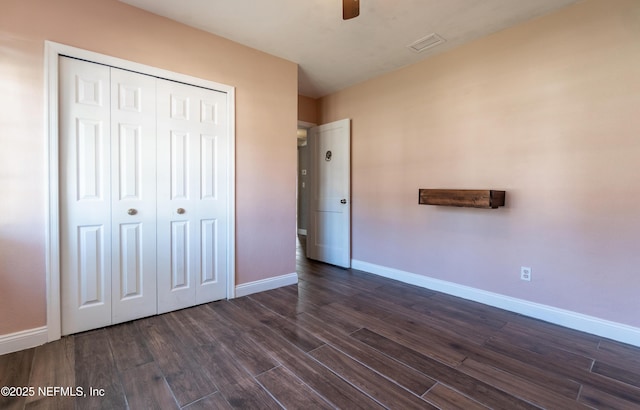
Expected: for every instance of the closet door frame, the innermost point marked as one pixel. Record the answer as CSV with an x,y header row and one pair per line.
x,y
53,51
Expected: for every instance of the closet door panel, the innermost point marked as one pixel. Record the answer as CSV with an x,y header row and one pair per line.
x,y
191,169
133,153
177,190
212,205
85,195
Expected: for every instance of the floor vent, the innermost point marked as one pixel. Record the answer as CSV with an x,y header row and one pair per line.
x,y
425,43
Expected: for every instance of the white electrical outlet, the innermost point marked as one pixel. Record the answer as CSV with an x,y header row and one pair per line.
x,y
525,273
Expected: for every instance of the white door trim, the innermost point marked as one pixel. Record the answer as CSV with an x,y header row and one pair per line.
x,y
52,52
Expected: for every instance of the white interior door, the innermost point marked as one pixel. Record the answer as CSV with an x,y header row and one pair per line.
x,y
85,195
192,187
133,185
329,230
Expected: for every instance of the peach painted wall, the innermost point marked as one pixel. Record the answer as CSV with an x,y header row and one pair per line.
x,y
308,109
266,120
548,111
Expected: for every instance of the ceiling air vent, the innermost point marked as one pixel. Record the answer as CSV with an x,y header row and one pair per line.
x,y
425,43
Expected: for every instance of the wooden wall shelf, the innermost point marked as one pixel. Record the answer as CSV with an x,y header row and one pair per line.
x,y
473,198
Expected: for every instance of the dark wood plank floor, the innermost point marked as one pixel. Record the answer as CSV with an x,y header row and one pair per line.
x,y
339,339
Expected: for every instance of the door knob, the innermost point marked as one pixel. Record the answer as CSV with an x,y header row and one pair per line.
x,y
181,211
343,201
132,211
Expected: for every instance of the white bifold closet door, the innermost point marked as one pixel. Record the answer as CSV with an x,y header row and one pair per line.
x,y
143,211
85,195
133,196
192,216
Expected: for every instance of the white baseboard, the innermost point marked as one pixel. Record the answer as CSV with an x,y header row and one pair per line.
x,y
302,231
573,320
24,339
266,284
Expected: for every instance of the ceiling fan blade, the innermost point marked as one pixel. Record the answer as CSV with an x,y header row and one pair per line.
x,y
350,9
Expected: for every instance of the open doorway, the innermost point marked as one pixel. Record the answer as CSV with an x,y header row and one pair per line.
x,y
323,191
302,191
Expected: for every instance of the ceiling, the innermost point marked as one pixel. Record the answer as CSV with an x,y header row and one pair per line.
x,y
332,53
